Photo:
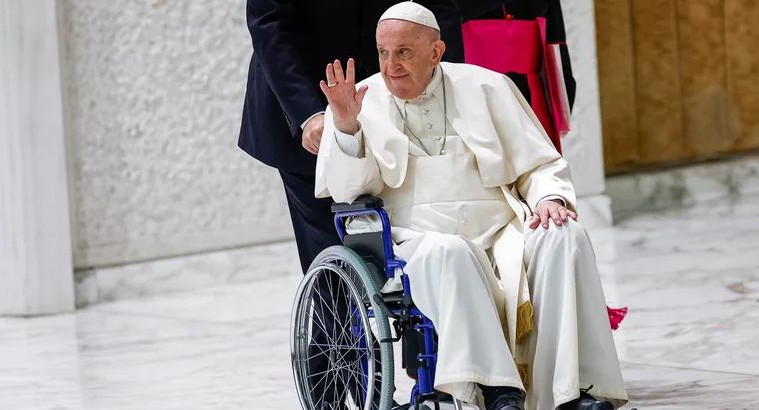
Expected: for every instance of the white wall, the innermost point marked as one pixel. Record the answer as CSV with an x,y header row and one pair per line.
x,y
154,93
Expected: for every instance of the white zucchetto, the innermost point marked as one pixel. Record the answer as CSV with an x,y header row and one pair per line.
x,y
413,12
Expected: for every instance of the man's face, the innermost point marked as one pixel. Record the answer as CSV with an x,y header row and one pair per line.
x,y
408,54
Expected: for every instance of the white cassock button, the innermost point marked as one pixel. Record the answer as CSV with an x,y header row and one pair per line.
x,y
426,111
428,126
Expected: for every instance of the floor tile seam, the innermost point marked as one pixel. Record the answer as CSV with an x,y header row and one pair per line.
x,y
689,368
257,279
285,316
690,273
697,205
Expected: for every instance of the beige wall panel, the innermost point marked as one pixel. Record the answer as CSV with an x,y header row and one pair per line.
x,y
703,74
742,40
616,72
658,81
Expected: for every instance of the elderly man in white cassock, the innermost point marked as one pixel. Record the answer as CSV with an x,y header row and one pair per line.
x,y
482,210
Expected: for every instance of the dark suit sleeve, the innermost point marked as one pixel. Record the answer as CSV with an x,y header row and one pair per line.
x,y
448,17
271,24
556,33
474,9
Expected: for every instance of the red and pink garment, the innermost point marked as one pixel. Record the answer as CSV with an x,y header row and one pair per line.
x,y
520,46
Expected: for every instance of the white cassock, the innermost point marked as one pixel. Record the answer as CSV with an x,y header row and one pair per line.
x,y
512,306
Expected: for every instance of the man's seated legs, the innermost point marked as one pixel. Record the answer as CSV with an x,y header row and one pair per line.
x,y
454,285
571,344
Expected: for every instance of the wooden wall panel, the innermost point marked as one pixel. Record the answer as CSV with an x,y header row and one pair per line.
x,y
616,75
701,29
660,117
742,40
679,80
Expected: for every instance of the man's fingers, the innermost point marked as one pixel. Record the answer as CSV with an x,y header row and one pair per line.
x,y
361,93
350,74
339,75
311,147
572,214
544,217
306,145
534,221
563,213
324,88
330,74
554,212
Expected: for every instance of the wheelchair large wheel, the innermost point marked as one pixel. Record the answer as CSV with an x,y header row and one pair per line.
x,y
338,361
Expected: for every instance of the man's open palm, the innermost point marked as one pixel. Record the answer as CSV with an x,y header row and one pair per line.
x,y
342,96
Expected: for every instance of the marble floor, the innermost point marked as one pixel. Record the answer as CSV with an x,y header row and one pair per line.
x,y
690,278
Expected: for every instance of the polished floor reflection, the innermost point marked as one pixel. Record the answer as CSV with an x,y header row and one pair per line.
x,y
690,278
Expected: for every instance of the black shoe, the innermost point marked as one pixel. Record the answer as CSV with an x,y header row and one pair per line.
x,y
502,398
508,402
587,402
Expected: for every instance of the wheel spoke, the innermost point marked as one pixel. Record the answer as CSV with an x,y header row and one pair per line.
x,y
339,334
324,390
341,347
343,384
333,308
320,322
331,336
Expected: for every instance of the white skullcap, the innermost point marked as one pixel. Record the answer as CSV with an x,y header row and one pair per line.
x,y
413,12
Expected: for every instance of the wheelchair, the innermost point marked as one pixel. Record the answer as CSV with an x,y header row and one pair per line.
x,y
341,340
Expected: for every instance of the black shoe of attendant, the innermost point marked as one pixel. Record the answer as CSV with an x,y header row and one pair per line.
x,y
587,402
502,398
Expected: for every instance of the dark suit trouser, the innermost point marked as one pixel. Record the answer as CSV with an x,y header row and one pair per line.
x,y
311,217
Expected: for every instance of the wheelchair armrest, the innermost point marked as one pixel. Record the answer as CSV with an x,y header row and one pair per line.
x,y
362,203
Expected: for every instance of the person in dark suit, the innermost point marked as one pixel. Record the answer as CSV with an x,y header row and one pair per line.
x,y
282,121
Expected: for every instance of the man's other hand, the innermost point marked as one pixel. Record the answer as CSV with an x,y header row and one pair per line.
x,y
312,134
551,209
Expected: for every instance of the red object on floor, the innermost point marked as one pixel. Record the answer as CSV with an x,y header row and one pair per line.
x,y
616,316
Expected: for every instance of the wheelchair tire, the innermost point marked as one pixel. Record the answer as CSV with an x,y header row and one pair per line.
x,y
351,365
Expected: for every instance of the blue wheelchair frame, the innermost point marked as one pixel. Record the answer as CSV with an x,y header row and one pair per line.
x,y
426,359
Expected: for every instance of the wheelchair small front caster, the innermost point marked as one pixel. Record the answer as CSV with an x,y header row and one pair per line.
x,y
411,407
